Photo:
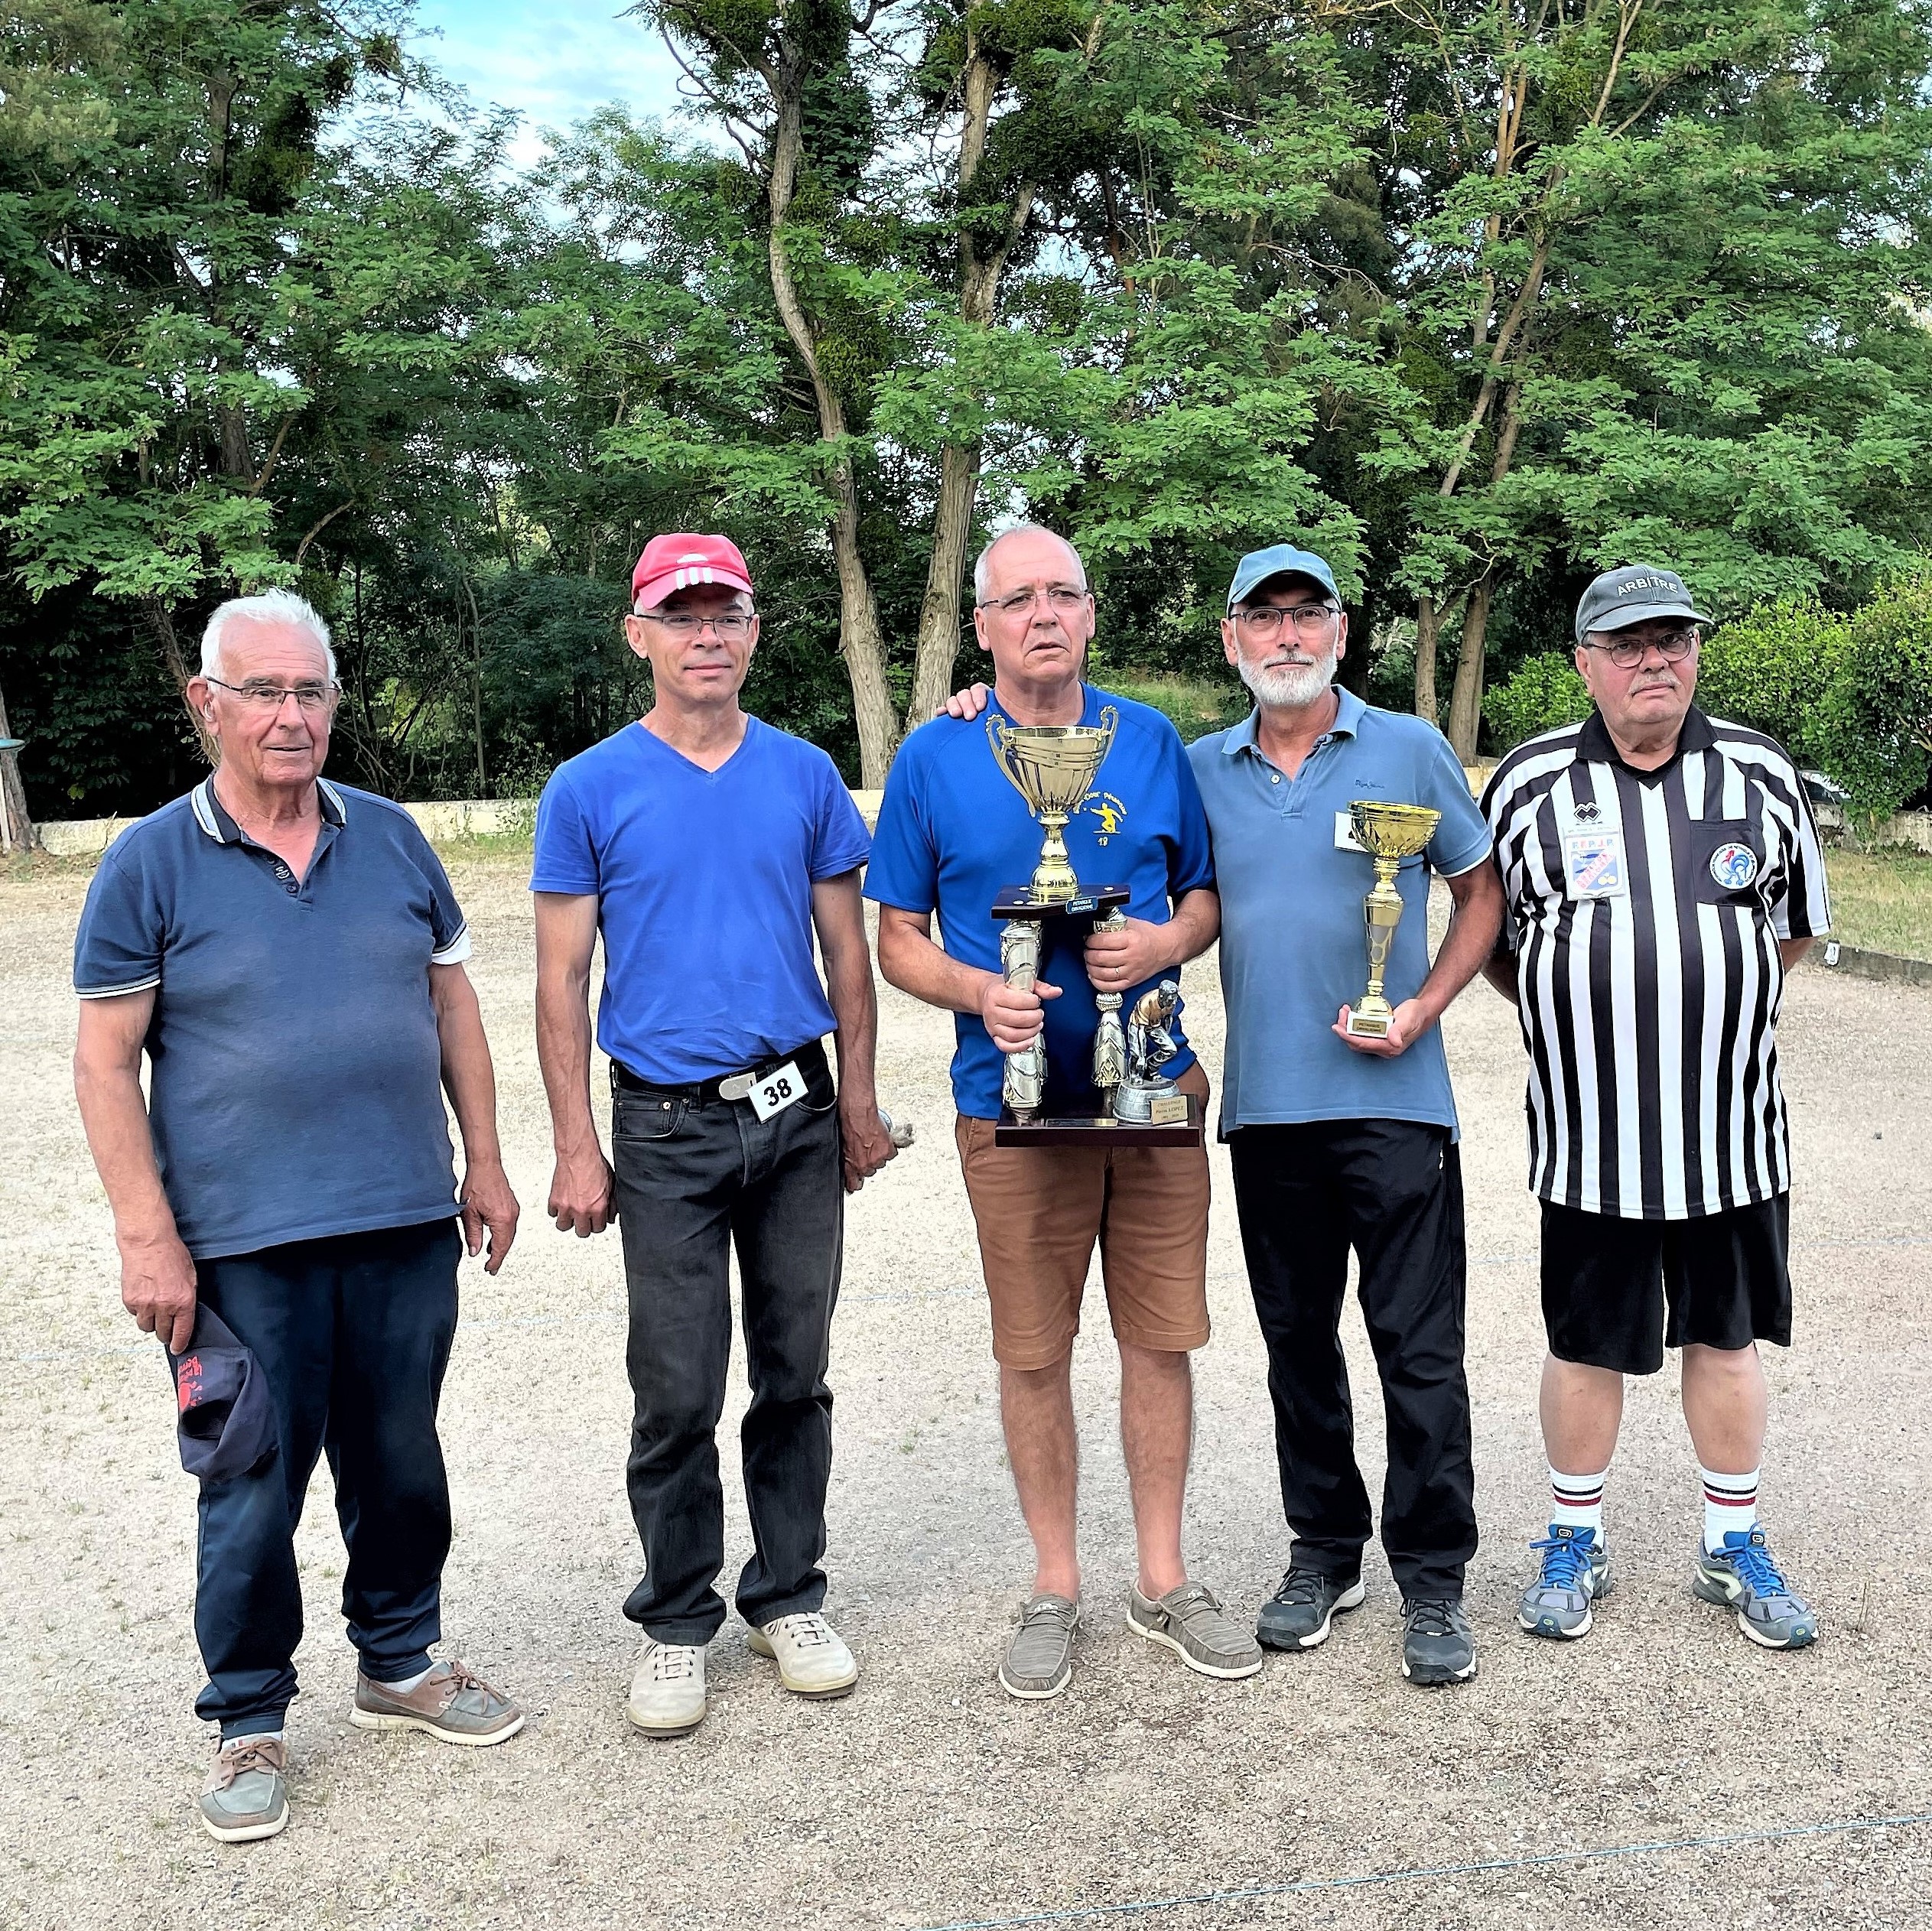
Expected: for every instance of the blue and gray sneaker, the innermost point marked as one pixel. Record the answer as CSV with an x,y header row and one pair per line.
x,y
1575,1570
1742,1575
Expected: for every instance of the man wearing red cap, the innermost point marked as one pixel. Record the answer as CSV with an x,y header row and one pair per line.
x,y
707,848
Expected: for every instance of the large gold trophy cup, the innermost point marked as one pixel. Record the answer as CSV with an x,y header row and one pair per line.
x,y
1052,766
1389,834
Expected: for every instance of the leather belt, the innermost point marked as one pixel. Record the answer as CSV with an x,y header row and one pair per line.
x,y
810,1060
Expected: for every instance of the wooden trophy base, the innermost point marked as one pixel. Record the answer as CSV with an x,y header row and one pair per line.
x,y
1081,1130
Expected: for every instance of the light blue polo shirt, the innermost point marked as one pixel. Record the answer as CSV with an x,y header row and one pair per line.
x,y
953,832
297,1067
1293,951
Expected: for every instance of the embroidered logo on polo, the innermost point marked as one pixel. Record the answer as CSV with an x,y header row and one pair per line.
x,y
1734,865
1107,809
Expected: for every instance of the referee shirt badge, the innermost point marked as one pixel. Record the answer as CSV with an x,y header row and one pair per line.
x,y
1594,862
1734,865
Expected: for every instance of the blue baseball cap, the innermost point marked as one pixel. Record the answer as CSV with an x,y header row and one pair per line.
x,y
227,1421
1280,559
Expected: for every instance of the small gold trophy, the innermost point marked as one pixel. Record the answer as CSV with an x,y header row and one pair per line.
x,y
1389,834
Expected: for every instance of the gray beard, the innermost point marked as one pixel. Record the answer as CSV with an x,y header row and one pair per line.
x,y
1289,687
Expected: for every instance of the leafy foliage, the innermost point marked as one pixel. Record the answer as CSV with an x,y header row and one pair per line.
x,y
1542,693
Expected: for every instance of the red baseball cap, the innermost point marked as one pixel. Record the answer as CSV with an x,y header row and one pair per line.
x,y
678,561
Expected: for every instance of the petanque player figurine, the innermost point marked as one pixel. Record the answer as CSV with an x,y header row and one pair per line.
x,y
952,832
707,848
289,954
1340,1139
1663,873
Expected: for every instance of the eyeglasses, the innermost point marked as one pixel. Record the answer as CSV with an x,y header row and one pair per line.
x,y
1672,645
733,628
1062,600
1264,620
314,698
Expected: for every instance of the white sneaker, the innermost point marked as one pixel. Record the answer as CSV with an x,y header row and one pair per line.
x,y
667,1687
812,1656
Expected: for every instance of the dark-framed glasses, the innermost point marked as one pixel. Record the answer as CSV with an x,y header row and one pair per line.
x,y
259,693
1672,645
1262,621
1063,599
733,628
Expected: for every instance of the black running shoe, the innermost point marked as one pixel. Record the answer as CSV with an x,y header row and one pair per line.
x,y
1296,1617
1438,1646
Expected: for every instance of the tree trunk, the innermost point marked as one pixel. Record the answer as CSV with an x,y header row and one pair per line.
x,y
17,832
161,621
860,640
1428,620
959,464
1466,700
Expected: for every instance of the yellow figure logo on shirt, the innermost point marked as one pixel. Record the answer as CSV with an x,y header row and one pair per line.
x,y
1108,810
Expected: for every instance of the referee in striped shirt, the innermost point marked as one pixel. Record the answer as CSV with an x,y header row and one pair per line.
x,y
1662,873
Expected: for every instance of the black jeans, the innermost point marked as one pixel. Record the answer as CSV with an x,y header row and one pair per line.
x,y
694,1180
1392,1191
352,1335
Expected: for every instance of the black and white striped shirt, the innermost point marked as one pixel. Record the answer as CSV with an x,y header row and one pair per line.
x,y
1644,910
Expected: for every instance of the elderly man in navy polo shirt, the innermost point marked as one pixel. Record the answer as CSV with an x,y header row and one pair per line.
x,y
707,848
1341,1142
289,954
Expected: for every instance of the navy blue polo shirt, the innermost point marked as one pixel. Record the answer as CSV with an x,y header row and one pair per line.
x,y
1293,950
296,1070
953,834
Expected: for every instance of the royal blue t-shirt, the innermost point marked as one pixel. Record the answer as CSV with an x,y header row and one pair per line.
x,y
297,1069
703,880
1293,949
953,834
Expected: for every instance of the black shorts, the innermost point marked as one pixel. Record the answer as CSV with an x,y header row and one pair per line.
x,y
1606,1283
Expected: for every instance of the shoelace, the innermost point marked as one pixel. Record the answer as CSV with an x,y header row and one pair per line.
x,y
257,1755
1566,1561
1427,1617
673,1661
808,1631
1300,1587
1037,1615
1197,1599
1756,1570
461,1678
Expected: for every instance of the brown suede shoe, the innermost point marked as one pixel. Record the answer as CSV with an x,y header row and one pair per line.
x,y
454,1707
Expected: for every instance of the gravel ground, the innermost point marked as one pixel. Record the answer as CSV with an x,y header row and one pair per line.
x,y
1325,1791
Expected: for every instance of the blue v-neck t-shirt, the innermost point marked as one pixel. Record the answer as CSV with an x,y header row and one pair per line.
x,y
703,880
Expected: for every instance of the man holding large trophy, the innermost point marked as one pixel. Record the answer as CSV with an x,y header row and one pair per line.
x,y
1335,1097
1062,842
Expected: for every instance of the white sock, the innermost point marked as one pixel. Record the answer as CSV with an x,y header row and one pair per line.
x,y
1730,1502
1576,1501
407,1684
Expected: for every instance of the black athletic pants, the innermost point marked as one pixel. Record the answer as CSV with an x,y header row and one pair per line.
x,y
1392,1191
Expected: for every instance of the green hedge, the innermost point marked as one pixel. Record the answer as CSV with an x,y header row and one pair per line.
x,y
1543,693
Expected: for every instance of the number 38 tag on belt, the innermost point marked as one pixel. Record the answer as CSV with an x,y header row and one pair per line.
x,y
776,1090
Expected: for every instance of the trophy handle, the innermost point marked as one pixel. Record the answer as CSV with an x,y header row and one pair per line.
x,y
996,735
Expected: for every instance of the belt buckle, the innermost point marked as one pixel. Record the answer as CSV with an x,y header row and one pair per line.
x,y
736,1086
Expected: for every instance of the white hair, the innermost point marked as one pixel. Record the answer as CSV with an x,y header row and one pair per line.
x,y
268,607
982,566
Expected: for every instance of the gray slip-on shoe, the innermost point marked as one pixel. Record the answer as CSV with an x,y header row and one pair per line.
x,y
1039,1661
246,1795
451,1703
1189,1621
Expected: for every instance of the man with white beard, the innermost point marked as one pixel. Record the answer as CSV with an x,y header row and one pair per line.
x,y
1341,1142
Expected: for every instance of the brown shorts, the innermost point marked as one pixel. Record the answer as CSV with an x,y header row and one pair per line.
x,y
1039,1211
